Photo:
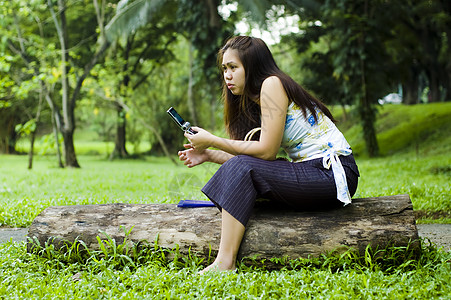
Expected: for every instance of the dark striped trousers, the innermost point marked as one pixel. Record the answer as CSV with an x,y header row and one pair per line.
x,y
302,186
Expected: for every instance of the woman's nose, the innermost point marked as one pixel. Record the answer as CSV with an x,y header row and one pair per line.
x,y
228,74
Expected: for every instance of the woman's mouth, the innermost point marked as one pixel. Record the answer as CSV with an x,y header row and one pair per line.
x,y
230,86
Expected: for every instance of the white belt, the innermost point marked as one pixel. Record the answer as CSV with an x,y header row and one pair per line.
x,y
330,158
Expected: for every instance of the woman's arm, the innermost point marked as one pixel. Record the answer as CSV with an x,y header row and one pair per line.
x,y
218,156
193,157
273,104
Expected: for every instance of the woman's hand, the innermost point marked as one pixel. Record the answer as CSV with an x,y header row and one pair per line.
x,y
201,140
192,157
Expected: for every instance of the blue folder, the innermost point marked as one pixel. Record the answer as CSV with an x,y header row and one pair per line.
x,y
195,203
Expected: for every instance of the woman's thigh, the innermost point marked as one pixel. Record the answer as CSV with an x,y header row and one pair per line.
x,y
301,185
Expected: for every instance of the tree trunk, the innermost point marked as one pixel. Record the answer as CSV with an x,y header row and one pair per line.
x,y
120,150
367,116
410,87
69,149
68,106
378,222
31,151
366,109
410,94
57,143
11,137
434,86
33,133
67,125
190,98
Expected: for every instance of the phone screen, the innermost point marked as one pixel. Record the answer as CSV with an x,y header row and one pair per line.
x,y
176,117
185,126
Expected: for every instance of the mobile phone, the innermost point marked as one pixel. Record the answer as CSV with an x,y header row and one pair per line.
x,y
185,126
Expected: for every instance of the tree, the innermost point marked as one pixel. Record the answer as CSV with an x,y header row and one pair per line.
x,y
345,45
25,65
78,54
198,22
66,117
204,29
420,46
8,113
135,58
139,41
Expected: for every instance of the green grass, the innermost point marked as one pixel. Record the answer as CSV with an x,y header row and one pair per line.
x,y
395,273
82,147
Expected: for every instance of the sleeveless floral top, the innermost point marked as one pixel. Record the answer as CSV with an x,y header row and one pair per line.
x,y
306,139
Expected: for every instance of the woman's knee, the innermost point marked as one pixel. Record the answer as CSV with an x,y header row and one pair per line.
x,y
239,161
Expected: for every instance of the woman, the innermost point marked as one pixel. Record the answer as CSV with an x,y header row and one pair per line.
x,y
258,95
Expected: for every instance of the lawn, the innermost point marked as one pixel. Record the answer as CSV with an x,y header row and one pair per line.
x,y
51,276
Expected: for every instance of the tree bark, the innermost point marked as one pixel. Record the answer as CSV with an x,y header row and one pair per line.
x,y
57,143
120,151
69,148
411,86
37,120
367,117
190,97
378,222
366,109
11,137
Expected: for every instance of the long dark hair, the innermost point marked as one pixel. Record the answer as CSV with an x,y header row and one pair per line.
x,y
242,112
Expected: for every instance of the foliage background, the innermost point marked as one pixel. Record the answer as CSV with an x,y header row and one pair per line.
x,y
114,67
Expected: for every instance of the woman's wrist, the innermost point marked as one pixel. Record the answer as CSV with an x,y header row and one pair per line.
x,y
217,156
208,156
214,141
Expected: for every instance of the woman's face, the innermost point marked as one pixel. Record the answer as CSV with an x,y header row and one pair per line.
x,y
234,75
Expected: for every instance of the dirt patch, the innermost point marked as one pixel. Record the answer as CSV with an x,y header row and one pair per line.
x,y
436,234
14,234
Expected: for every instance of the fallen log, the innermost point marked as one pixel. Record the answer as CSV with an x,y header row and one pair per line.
x,y
379,222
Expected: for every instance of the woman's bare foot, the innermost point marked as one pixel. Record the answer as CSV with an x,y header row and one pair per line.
x,y
218,266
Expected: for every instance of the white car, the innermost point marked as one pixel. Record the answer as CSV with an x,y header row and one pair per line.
x,y
393,98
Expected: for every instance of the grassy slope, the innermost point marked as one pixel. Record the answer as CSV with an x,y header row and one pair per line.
x,y
420,130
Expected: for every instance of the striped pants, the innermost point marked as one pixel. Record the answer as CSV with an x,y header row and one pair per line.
x,y
303,185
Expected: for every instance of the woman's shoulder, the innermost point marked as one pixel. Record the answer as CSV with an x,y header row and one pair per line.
x,y
272,82
273,94
273,88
